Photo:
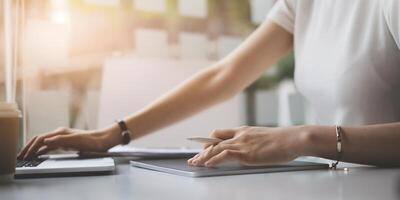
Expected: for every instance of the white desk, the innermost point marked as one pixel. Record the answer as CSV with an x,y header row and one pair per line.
x,y
134,183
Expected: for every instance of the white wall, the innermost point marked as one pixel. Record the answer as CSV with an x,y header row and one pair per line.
x,y
47,110
113,3
87,118
129,84
151,43
267,107
46,44
260,9
291,105
151,5
193,8
193,46
227,44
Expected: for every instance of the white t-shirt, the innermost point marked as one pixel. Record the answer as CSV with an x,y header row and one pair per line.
x,y
347,57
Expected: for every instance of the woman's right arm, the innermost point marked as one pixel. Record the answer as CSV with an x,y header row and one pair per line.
x,y
210,86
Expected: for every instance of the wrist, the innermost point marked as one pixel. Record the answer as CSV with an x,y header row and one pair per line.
x,y
304,141
110,136
318,141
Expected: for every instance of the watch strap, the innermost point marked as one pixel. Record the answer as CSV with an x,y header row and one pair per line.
x,y
125,133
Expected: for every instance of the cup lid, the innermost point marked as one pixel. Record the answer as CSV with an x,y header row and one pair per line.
x,y
8,106
9,110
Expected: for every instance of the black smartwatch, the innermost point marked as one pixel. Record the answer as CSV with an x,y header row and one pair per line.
x,y
125,133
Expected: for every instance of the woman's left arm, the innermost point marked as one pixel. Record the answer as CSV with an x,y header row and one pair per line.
x,y
372,145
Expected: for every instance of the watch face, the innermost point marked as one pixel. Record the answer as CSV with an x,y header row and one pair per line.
x,y
126,138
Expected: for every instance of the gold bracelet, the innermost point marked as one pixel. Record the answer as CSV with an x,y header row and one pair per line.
x,y
338,146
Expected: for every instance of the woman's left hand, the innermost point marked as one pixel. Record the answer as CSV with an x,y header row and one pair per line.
x,y
254,146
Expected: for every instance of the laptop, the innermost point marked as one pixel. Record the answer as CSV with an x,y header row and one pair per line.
x,y
180,167
63,165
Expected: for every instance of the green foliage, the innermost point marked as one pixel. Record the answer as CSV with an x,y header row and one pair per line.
x,y
285,70
286,67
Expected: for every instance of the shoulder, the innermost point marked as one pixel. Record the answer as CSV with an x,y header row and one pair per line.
x,y
283,13
288,5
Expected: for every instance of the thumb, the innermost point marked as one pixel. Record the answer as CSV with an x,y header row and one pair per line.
x,y
223,134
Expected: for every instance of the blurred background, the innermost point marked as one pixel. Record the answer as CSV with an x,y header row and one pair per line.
x,y
85,63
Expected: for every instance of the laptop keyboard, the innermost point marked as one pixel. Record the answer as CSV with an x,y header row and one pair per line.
x,y
30,163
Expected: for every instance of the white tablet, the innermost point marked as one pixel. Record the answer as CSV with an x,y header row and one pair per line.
x,y
180,167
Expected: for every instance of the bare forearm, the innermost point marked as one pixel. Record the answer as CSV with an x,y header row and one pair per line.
x,y
372,144
203,90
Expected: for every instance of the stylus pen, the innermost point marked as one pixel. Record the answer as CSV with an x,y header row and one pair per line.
x,y
205,140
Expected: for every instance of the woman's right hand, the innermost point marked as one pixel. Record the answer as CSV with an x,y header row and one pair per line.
x,y
70,139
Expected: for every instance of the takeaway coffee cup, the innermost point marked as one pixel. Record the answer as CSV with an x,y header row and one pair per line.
x,y
9,133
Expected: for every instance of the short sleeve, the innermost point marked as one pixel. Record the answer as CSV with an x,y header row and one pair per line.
x,y
283,13
391,11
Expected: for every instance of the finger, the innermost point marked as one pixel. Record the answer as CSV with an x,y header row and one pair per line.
x,y
58,131
38,143
190,161
226,141
26,148
199,161
224,156
223,134
202,159
194,160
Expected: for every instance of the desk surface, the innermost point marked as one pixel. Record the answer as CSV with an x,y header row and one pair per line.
x,y
134,183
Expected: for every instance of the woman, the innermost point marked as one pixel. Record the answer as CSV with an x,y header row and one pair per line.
x,y
347,67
